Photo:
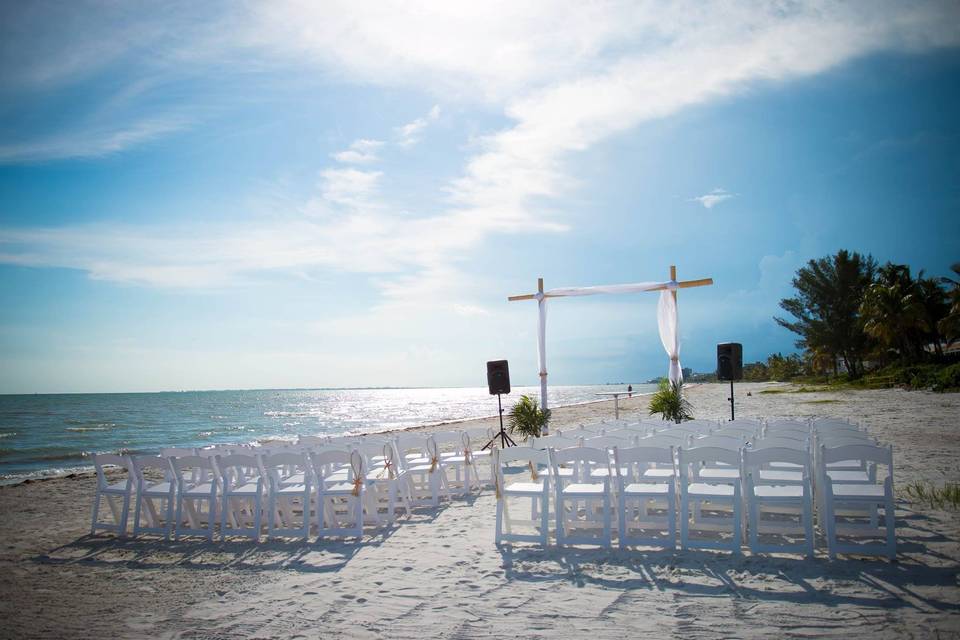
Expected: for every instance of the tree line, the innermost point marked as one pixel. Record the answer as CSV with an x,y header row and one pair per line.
x,y
851,314
856,318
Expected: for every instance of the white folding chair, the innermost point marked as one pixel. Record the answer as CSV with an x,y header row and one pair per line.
x,y
474,441
588,497
386,485
708,496
193,495
151,491
456,463
526,482
855,502
783,500
241,508
289,490
114,492
638,495
420,461
340,503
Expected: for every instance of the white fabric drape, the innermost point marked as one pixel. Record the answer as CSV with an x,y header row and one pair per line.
x,y
668,323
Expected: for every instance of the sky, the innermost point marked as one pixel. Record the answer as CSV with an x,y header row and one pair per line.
x,y
299,194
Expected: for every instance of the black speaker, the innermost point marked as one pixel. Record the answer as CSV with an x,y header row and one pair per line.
x,y
730,361
498,377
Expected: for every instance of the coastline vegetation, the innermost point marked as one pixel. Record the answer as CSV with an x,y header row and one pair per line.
x,y
865,326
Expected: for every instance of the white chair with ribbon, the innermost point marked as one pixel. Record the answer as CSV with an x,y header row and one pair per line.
x,y
340,504
522,482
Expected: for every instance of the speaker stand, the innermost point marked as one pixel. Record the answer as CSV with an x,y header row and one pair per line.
x,y
505,439
731,400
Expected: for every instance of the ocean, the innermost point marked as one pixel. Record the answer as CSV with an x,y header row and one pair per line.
x,y
50,434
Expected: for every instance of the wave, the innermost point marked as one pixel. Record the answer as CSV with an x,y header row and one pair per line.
x,y
9,434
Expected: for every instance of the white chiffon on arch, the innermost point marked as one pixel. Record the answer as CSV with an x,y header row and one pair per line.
x,y
667,322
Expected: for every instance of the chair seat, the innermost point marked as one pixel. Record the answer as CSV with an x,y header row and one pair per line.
x,y
604,473
646,488
419,468
340,488
845,464
296,478
524,487
841,491
658,473
336,476
457,459
202,489
159,488
291,489
849,476
785,465
778,491
584,489
248,489
561,472
720,474
710,490
774,475
116,487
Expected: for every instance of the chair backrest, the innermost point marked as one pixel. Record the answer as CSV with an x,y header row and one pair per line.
x,y
290,462
859,451
754,460
664,440
776,442
555,442
605,442
523,454
841,439
628,435
238,469
102,460
730,443
191,469
632,462
742,433
789,434
448,441
142,464
705,456
582,460
413,443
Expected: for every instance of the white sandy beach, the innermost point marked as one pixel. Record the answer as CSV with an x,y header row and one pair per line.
x,y
440,574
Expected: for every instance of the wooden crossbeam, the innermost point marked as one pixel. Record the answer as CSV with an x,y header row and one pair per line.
x,y
686,284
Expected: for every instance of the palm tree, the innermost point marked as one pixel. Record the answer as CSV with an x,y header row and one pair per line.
x,y
949,325
893,312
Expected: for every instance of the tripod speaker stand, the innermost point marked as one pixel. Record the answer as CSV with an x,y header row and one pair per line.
x,y
498,381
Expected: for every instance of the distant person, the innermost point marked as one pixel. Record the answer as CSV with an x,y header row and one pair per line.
x,y
630,390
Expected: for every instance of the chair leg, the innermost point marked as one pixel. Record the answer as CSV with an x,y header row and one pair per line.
x,y
622,521
672,519
96,512
499,533
545,519
890,518
684,523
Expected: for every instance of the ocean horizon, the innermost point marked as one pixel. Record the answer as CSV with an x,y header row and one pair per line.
x,y
50,434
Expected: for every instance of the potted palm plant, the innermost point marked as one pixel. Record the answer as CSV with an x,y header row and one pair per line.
x,y
527,418
669,402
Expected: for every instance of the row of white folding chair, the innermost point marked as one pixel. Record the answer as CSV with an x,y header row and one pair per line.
x,y
197,489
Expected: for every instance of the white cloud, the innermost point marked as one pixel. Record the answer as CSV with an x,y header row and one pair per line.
x,y
567,76
362,151
409,134
712,199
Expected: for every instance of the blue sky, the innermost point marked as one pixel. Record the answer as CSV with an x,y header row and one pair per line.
x,y
287,195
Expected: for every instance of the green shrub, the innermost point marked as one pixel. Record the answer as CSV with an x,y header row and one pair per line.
x,y
669,402
527,418
948,379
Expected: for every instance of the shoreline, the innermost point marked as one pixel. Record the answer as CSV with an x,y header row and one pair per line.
x,y
14,479
438,569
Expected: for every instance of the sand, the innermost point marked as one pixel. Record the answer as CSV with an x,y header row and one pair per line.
x,y
439,574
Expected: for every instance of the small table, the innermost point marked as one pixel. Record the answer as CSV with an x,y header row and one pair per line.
x,y
616,400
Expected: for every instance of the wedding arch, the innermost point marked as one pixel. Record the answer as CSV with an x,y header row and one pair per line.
x,y
667,319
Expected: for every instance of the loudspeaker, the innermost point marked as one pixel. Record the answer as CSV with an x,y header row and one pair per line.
x,y
498,377
730,361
